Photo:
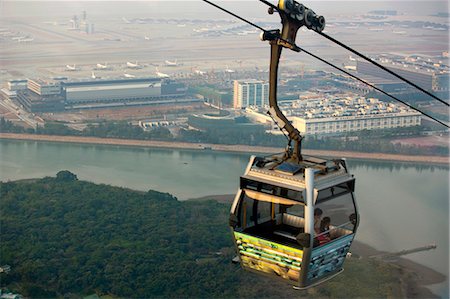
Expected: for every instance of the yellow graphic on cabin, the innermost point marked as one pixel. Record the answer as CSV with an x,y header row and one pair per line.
x,y
269,257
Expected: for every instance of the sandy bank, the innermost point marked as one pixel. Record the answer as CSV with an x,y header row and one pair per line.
x,y
224,148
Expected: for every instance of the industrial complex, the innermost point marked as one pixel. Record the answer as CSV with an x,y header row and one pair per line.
x,y
429,73
76,67
62,94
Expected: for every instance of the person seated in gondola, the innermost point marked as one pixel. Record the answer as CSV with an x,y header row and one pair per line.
x,y
317,219
352,218
324,234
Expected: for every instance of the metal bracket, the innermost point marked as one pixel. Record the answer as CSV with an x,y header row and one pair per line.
x,y
293,17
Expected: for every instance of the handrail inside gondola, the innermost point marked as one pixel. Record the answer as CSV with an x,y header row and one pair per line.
x,y
270,198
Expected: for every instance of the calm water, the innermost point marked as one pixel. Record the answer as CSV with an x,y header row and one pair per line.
x,y
402,206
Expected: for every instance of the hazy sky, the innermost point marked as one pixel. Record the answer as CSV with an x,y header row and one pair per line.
x,y
199,9
272,1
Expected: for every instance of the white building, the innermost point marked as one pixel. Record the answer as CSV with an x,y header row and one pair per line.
x,y
345,124
15,85
327,114
43,87
250,93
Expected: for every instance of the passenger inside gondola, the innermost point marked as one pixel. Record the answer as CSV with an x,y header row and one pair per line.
x,y
324,231
317,219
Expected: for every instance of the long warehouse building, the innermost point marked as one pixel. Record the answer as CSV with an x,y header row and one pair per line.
x,y
111,90
46,96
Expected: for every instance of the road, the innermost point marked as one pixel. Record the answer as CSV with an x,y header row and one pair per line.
x,y
24,116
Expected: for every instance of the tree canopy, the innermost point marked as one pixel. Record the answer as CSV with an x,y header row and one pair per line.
x,y
65,237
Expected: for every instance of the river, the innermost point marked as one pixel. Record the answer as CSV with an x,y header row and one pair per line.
x,y
402,205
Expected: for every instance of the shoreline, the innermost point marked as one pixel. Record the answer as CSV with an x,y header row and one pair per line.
x,y
223,148
414,279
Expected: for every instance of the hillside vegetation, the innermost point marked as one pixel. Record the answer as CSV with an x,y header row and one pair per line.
x,y
69,238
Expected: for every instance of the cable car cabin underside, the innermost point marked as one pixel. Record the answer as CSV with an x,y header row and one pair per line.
x,y
275,229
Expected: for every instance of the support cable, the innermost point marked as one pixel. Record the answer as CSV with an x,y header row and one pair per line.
x,y
373,86
234,15
336,67
366,58
380,66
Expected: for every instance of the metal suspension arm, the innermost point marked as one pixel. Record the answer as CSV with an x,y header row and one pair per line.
x,y
274,111
293,16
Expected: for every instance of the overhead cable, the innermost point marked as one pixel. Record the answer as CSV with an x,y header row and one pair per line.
x,y
330,64
373,86
367,59
382,67
234,15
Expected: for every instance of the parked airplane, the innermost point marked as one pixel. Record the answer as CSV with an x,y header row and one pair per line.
x,y
228,70
26,40
17,38
161,75
146,38
133,65
93,76
71,67
350,67
102,66
199,72
129,75
171,63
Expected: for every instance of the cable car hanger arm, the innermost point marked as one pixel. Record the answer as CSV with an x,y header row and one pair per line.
x,y
293,17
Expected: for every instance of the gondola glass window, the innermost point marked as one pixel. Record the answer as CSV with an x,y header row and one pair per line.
x,y
338,217
263,216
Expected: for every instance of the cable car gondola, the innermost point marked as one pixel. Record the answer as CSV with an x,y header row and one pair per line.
x,y
293,217
278,218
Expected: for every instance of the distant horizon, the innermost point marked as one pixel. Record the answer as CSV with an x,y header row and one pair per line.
x,y
201,10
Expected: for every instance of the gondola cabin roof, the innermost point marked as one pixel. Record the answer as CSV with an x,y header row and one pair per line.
x,y
289,175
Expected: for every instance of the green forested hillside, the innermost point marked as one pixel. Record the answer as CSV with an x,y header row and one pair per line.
x,y
64,237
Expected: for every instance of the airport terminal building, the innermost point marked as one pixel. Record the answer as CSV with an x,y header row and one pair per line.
x,y
431,77
60,95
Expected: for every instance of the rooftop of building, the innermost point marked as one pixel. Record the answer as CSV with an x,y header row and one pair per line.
x,y
110,81
18,81
73,82
414,63
42,81
341,105
251,81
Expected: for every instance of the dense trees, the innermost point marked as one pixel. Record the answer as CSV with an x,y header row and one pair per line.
x,y
212,95
75,237
79,237
66,176
9,126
